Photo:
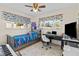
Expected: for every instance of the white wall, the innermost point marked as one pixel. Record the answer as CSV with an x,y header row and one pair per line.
x,y
10,31
69,15
4,31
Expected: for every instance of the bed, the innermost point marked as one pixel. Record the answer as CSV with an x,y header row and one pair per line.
x,y
18,42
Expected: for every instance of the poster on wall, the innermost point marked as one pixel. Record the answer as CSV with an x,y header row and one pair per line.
x,y
33,26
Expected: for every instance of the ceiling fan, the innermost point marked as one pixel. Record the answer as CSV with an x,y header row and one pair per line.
x,y
35,7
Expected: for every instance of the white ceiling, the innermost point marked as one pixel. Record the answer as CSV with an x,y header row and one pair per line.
x,y
50,7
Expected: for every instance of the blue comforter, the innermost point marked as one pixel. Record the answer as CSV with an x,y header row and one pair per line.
x,y
25,38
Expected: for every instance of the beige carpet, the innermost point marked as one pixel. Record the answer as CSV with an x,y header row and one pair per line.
x,y
36,50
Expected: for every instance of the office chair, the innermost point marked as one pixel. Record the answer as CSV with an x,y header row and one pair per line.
x,y
46,42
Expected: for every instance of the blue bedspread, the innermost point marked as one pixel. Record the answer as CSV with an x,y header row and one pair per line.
x,y
25,38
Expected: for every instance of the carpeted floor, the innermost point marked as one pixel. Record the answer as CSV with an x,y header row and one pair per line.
x,y
37,50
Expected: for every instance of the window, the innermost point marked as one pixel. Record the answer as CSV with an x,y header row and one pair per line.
x,y
51,21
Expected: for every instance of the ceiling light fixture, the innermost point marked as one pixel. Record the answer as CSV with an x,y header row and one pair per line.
x,y
35,7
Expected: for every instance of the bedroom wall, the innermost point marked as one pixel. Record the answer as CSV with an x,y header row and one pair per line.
x,y
10,31
35,19
4,31
69,15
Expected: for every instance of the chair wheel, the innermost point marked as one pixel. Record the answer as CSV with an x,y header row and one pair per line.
x,y
46,48
42,47
62,55
50,47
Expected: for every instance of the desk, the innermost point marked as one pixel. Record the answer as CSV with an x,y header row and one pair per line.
x,y
55,37
70,40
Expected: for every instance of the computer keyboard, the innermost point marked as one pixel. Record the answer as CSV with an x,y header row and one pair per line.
x,y
6,50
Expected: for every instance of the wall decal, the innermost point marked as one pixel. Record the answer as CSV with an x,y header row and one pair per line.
x,y
14,18
51,21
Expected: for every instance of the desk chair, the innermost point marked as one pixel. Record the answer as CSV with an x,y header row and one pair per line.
x,y
46,42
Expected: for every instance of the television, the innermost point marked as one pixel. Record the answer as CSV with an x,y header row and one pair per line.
x,y
70,29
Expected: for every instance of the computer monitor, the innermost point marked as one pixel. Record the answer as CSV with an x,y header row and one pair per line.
x,y
54,32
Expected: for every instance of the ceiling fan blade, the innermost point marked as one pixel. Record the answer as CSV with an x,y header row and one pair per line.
x,y
28,6
39,10
42,6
